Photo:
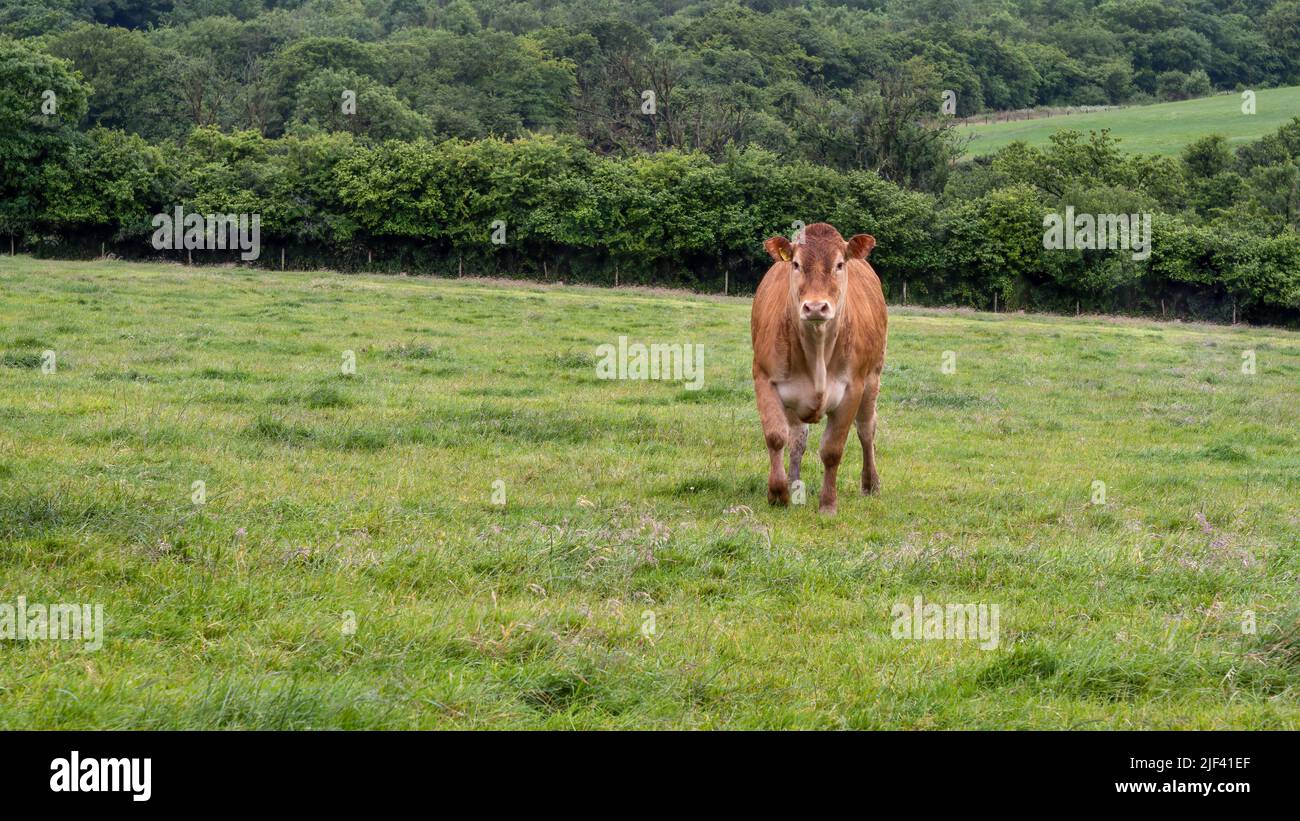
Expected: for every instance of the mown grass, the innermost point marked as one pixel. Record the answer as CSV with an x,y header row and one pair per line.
x,y
369,497
1161,128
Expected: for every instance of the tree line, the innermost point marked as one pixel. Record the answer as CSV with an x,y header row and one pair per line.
x,y
511,179
835,82
1223,221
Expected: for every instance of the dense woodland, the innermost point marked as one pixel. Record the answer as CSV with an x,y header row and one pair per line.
x,y
764,113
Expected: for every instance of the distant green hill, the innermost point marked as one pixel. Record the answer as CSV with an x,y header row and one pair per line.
x,y
1163,128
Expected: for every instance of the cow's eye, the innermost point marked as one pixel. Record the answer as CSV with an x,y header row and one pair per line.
x,y
839,266
795,263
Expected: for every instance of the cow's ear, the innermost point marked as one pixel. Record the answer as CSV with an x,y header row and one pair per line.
x,y
780,249
860,246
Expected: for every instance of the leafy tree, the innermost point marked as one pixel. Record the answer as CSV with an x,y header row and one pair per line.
x,y
346,101
131,87
1281,25
109,181
300,60
41,100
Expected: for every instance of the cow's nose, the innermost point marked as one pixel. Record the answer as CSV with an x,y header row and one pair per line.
x,y
816,310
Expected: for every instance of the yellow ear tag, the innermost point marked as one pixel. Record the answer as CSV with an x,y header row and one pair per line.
x,y
786,255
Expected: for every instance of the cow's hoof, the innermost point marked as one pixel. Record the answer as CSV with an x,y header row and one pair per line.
x,y
871,485
778,496
826,509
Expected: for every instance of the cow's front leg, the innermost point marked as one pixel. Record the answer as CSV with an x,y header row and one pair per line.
x,y
776,433
836,434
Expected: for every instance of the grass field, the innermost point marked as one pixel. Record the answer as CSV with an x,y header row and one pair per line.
x,y
635,576
1163,128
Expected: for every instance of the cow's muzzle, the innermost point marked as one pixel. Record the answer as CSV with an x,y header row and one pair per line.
x,y
815,311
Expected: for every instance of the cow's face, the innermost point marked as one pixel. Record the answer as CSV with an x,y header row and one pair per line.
x,y
818,270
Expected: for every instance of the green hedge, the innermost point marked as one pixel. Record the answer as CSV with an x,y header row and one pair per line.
x,y
668,218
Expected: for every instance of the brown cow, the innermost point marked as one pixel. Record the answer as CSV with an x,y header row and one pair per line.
x,y
818,328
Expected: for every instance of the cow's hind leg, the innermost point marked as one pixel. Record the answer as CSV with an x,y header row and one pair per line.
x,y
836,434
867,435
798,442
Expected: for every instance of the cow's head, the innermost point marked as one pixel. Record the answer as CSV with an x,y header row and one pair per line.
x,y
819,269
